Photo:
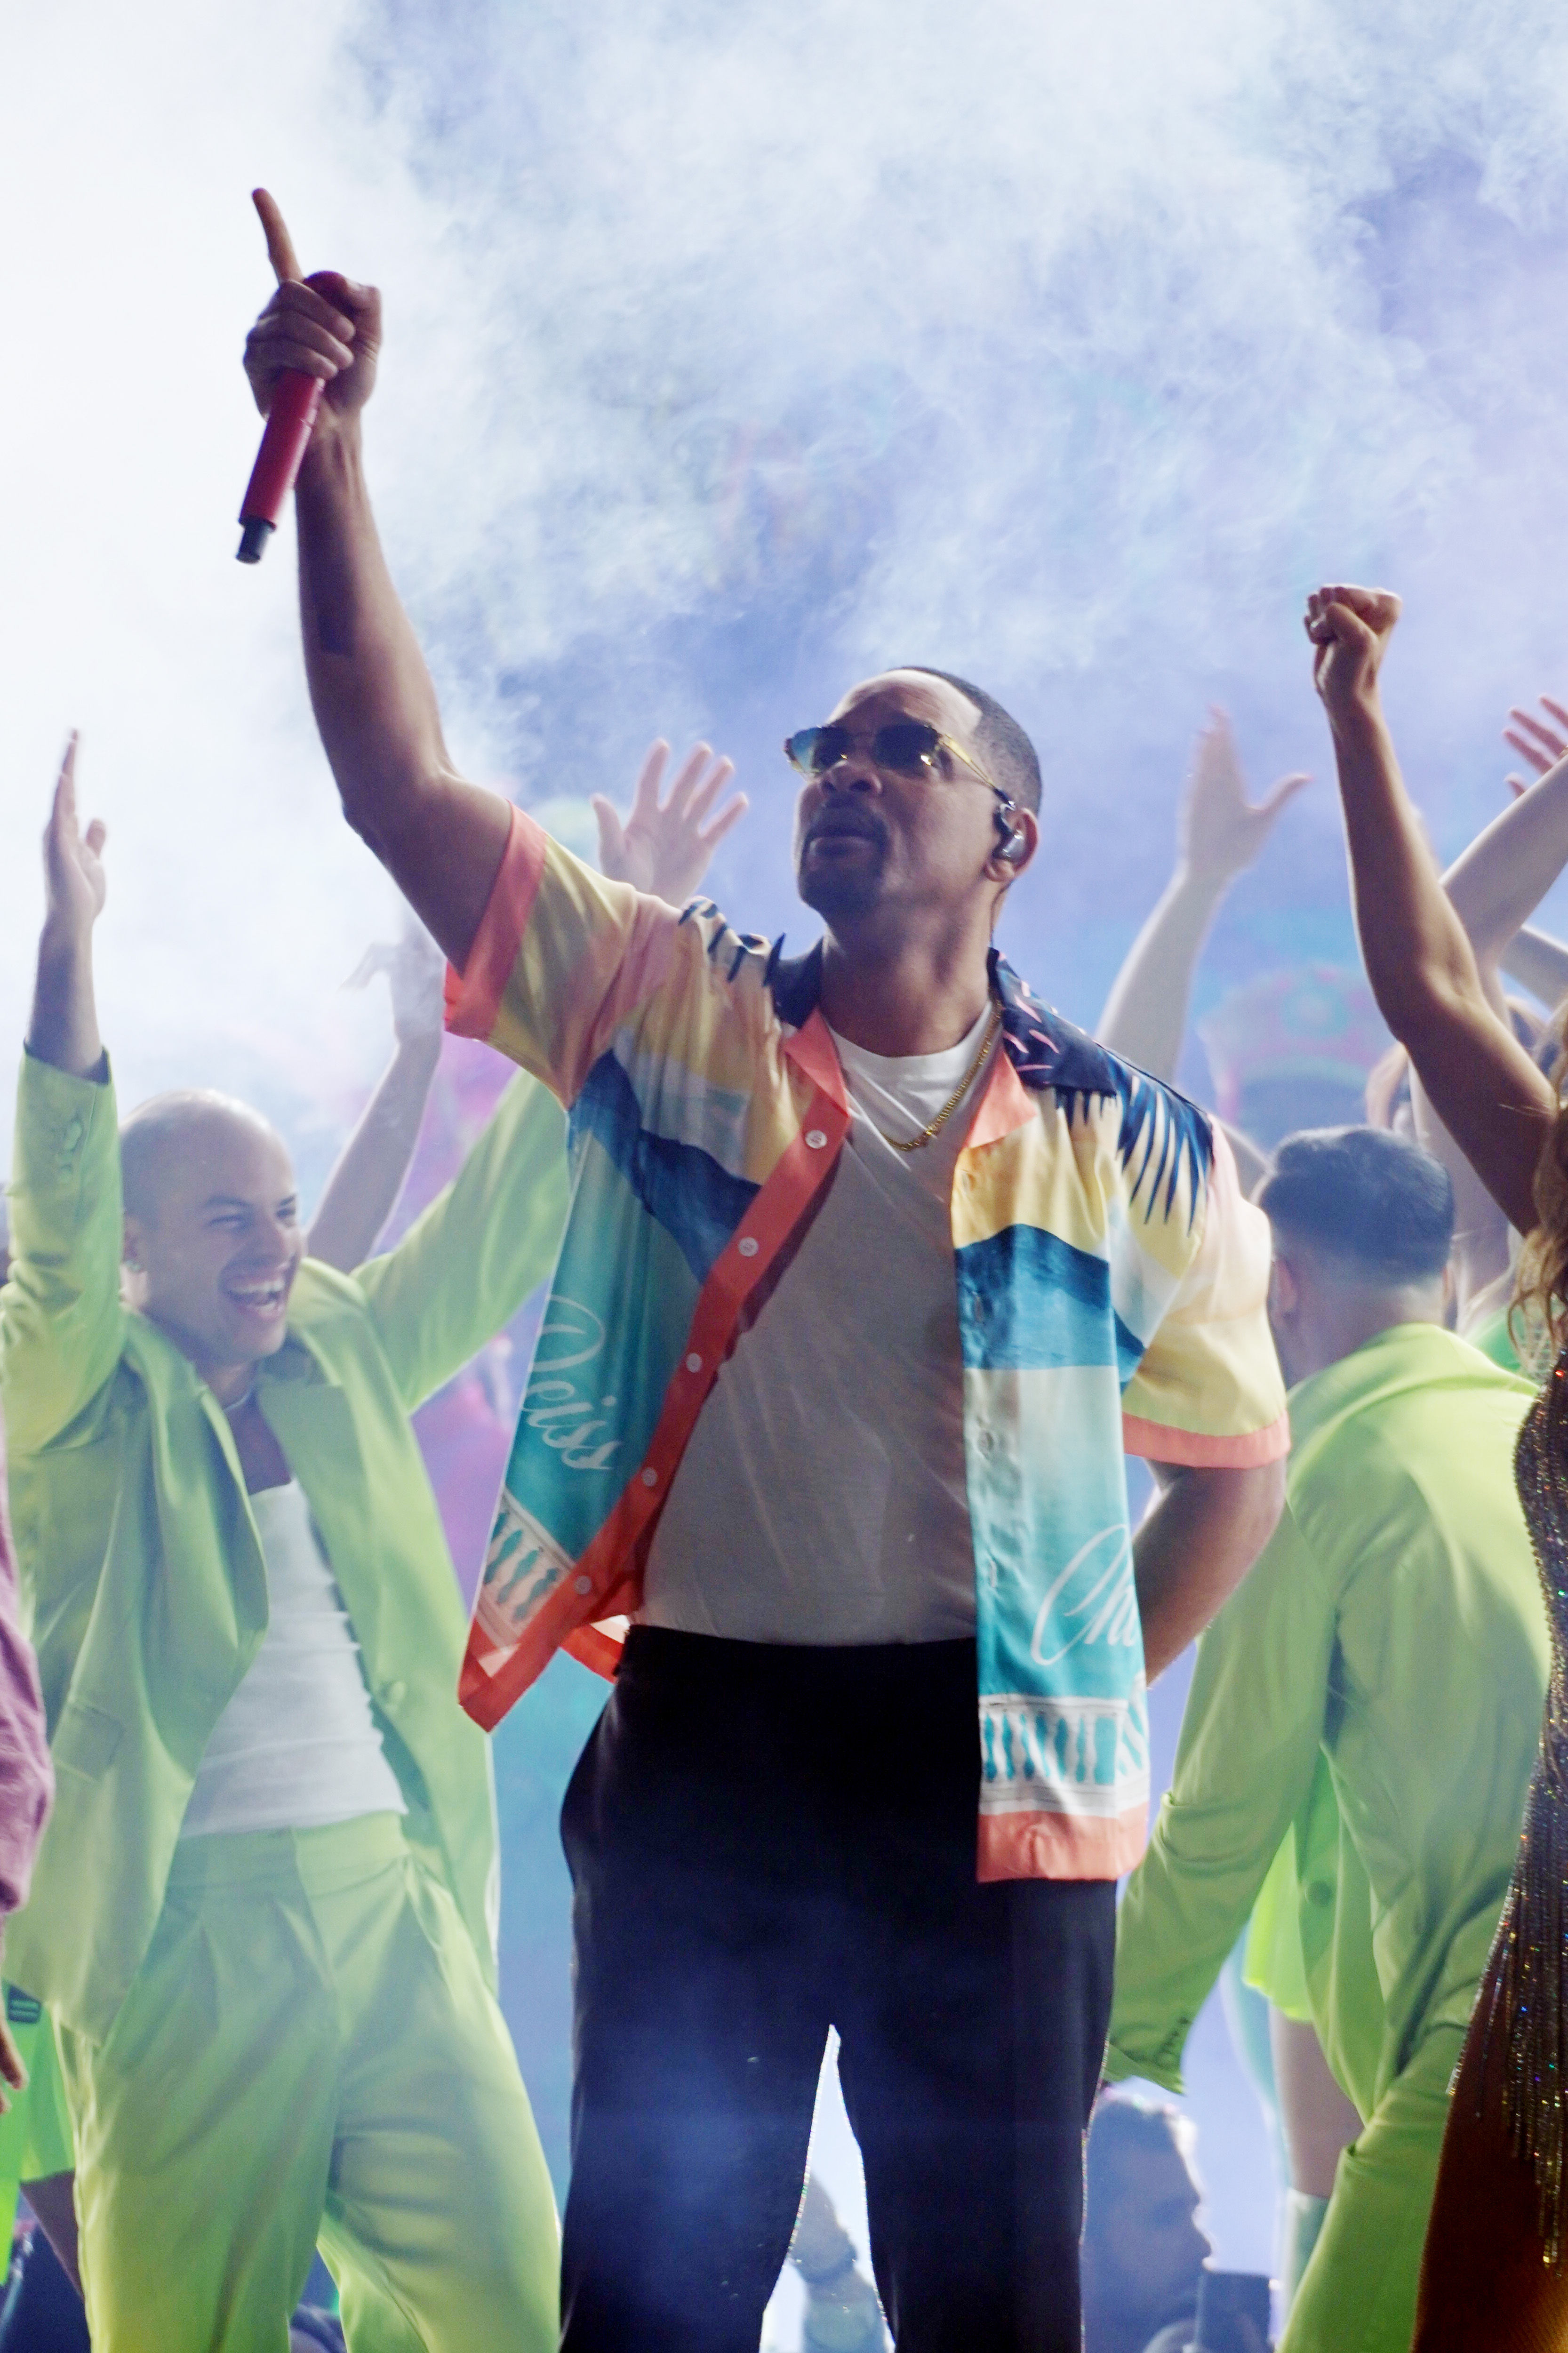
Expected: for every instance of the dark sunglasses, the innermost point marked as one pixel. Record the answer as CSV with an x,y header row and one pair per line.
x,y
908,748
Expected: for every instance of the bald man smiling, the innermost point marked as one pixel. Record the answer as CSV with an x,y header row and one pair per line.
x,y
262,1916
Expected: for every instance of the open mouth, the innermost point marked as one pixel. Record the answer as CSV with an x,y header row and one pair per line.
x,y
266,1298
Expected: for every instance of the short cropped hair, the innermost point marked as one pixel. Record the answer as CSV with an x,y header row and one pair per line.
x,y
1001,743
1365,1195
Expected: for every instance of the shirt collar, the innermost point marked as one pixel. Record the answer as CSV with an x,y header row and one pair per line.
x,y
1402,1353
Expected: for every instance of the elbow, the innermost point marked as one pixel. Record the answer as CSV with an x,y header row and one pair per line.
x,y
386,804
1417,997
1403,988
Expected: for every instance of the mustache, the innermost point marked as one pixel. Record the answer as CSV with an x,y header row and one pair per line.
x,y
846,816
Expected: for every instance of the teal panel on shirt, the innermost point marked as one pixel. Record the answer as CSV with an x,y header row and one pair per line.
x,y
620,1310
1029,1300
1053,1548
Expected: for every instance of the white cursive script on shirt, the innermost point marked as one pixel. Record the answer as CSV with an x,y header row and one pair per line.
x,y
1093,1601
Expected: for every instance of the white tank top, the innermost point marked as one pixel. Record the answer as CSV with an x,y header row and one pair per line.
x,y
297,1746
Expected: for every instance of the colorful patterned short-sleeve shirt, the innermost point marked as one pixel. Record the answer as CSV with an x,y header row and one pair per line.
x,y
1111,1284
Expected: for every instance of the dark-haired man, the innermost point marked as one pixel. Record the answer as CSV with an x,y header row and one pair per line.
x,y
1394,1626
1143,2250
871,1265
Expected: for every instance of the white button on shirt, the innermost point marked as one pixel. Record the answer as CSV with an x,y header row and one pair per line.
x,y
822,1496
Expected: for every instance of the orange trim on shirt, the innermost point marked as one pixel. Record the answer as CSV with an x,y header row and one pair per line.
x,y
1005,1106
474,995
1153,1441
811,1049
605,1568
1060,1846
601,1652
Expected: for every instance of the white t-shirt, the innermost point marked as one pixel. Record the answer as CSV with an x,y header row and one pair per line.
x,y
822,1496
296,1745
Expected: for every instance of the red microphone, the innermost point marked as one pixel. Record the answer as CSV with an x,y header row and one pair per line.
x,y
283,446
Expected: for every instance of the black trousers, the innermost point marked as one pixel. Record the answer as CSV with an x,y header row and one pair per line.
x,y
764,1842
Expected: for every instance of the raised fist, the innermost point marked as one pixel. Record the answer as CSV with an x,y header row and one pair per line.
x,y
1349,629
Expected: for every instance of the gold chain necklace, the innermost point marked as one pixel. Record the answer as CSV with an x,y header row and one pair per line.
x,y
929,1133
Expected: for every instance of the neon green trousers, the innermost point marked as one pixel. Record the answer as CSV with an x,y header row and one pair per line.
x,y
309,2049
1358,2292
35,2131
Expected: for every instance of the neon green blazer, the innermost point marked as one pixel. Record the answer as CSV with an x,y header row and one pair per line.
x,y
138,1558
1394,1626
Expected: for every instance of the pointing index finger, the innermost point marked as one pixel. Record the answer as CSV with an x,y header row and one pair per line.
x,y
279,244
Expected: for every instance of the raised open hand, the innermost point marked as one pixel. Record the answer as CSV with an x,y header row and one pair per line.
x,y
1349,629
415,971
1542,745
74,879
1219,831
324,325
665,847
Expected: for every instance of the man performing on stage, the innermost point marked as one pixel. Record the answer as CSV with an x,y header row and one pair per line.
x,y
872,1264
1394,1626
262,1914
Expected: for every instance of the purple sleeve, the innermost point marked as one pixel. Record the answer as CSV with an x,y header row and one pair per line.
x,y
26,1777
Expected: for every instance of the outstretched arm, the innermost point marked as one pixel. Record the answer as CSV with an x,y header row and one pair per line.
x,y
1538,963
64,1026
367,1177
1219,834
1493,885
440,838
1500,879
60,1313
1481,1083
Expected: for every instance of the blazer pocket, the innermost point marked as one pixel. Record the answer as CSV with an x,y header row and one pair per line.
x,y
85,1740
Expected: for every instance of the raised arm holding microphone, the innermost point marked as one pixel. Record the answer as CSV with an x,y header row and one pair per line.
x,y
873,1267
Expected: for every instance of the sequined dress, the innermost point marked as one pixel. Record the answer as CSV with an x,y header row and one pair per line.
x,y
1526,1983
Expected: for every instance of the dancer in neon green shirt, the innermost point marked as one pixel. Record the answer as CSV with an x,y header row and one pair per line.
x,y
1394,1626
265,1932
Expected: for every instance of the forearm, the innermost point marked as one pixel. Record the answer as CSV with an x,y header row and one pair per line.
x,y
375,706
472,1258
63,1031
1502,877
1196,1546
1246,1759
1146,1015
1423,973
362,1191
1538,963
1413,942
372,693
1186,1904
